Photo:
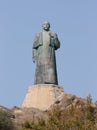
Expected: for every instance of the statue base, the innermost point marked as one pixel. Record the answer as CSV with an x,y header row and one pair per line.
x,y
42,96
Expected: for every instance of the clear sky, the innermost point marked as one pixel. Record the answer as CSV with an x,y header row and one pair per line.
x,y
74,21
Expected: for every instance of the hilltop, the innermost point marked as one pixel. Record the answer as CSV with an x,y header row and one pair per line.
x,y
70,113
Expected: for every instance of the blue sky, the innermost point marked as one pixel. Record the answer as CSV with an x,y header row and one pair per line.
x,y
74,21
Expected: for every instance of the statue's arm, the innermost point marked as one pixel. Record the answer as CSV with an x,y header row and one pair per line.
x,y
35,47
34,56
54,40
36,41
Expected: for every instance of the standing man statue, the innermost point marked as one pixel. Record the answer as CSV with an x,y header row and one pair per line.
x,y
44,46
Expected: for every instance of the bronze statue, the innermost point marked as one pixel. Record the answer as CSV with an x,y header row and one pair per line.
x,y
44,46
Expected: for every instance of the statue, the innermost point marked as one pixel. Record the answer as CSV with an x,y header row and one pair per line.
x,y
44,46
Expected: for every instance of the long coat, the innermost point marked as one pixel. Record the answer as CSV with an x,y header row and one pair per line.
x,y
44,47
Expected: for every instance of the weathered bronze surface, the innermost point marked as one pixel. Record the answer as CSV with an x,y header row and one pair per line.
x,y
44,46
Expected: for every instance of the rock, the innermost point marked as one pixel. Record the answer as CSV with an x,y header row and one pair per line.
x,y
42,96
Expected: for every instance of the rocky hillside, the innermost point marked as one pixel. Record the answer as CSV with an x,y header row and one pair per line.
x,y
22,117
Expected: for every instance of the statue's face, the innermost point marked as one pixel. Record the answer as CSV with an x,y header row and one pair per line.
x,y
46,26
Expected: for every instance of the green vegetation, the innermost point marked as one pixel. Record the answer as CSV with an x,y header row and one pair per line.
x,y
82,117
5,121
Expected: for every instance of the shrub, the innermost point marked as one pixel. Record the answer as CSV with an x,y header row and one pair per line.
x,y
5,121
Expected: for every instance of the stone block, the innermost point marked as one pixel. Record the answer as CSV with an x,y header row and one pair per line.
x,y
42,96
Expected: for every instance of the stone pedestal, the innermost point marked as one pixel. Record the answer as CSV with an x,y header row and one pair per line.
x,y
42,96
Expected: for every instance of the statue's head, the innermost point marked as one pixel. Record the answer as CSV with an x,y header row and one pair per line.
x,y
46,26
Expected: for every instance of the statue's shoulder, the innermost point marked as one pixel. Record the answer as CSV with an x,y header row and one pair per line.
x,y
38,34
53,34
